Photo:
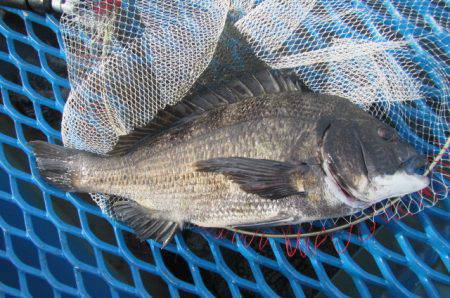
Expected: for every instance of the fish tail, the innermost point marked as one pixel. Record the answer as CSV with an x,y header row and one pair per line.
x,y
57,164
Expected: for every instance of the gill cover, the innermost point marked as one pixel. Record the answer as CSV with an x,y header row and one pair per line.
x,y
344,155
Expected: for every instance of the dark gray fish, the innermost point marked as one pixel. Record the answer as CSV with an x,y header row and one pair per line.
x,y
256,152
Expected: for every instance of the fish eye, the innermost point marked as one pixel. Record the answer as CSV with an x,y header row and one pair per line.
x,y
385,134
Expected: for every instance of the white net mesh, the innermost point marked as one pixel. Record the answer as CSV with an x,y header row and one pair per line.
x,y
127,62
128,59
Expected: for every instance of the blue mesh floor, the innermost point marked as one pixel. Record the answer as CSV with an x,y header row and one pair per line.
x,y
59,244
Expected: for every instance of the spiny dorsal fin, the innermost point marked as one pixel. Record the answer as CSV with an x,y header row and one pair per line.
x,y
146,223
267,178
252,85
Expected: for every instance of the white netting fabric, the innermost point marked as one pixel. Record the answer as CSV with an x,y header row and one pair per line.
x,y
128,59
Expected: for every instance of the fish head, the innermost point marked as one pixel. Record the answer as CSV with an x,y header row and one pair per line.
x,y
368,162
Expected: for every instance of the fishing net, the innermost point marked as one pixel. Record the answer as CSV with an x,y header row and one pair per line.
x,y
128,59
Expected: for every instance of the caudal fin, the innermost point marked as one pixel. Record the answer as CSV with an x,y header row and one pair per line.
x,y
56,164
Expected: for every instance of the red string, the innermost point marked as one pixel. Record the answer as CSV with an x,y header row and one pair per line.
x,y
300,251
251,240
317,245
347,242
265,243
289,251
308,238
220,234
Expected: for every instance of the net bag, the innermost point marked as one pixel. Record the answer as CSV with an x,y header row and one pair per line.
x,y
129,59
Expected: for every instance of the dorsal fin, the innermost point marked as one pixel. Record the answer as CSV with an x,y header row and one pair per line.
x,y
252,85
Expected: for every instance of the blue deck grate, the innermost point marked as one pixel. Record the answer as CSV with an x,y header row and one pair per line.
x,y
54,243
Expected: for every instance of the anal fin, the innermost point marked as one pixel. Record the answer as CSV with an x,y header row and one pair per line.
x,y
146,223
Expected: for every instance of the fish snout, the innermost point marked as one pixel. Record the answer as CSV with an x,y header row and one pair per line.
x,y
413,164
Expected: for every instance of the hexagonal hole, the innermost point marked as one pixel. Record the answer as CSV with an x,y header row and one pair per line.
x,y
154,285
32,134
12,214
27,53
139,249
185,294
101,229
439,266
45,34
248,293
52,117
38,287
81,249
118,268
10,72
26,251
215,283
16,158
7,127
2,241
41,85
14,22
95,286
8,274
4,181
278,282
387,238
177,265
3,44
46,231
22,104
58,65
61,270
66,211
237,263
343,281
365,260
301,264
198,245
31,194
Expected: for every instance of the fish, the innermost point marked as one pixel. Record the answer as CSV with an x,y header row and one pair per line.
x,y
258,151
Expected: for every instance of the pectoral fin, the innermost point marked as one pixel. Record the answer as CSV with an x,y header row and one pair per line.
x,y
267,178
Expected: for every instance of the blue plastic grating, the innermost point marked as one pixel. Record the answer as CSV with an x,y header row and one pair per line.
x,y
58,244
